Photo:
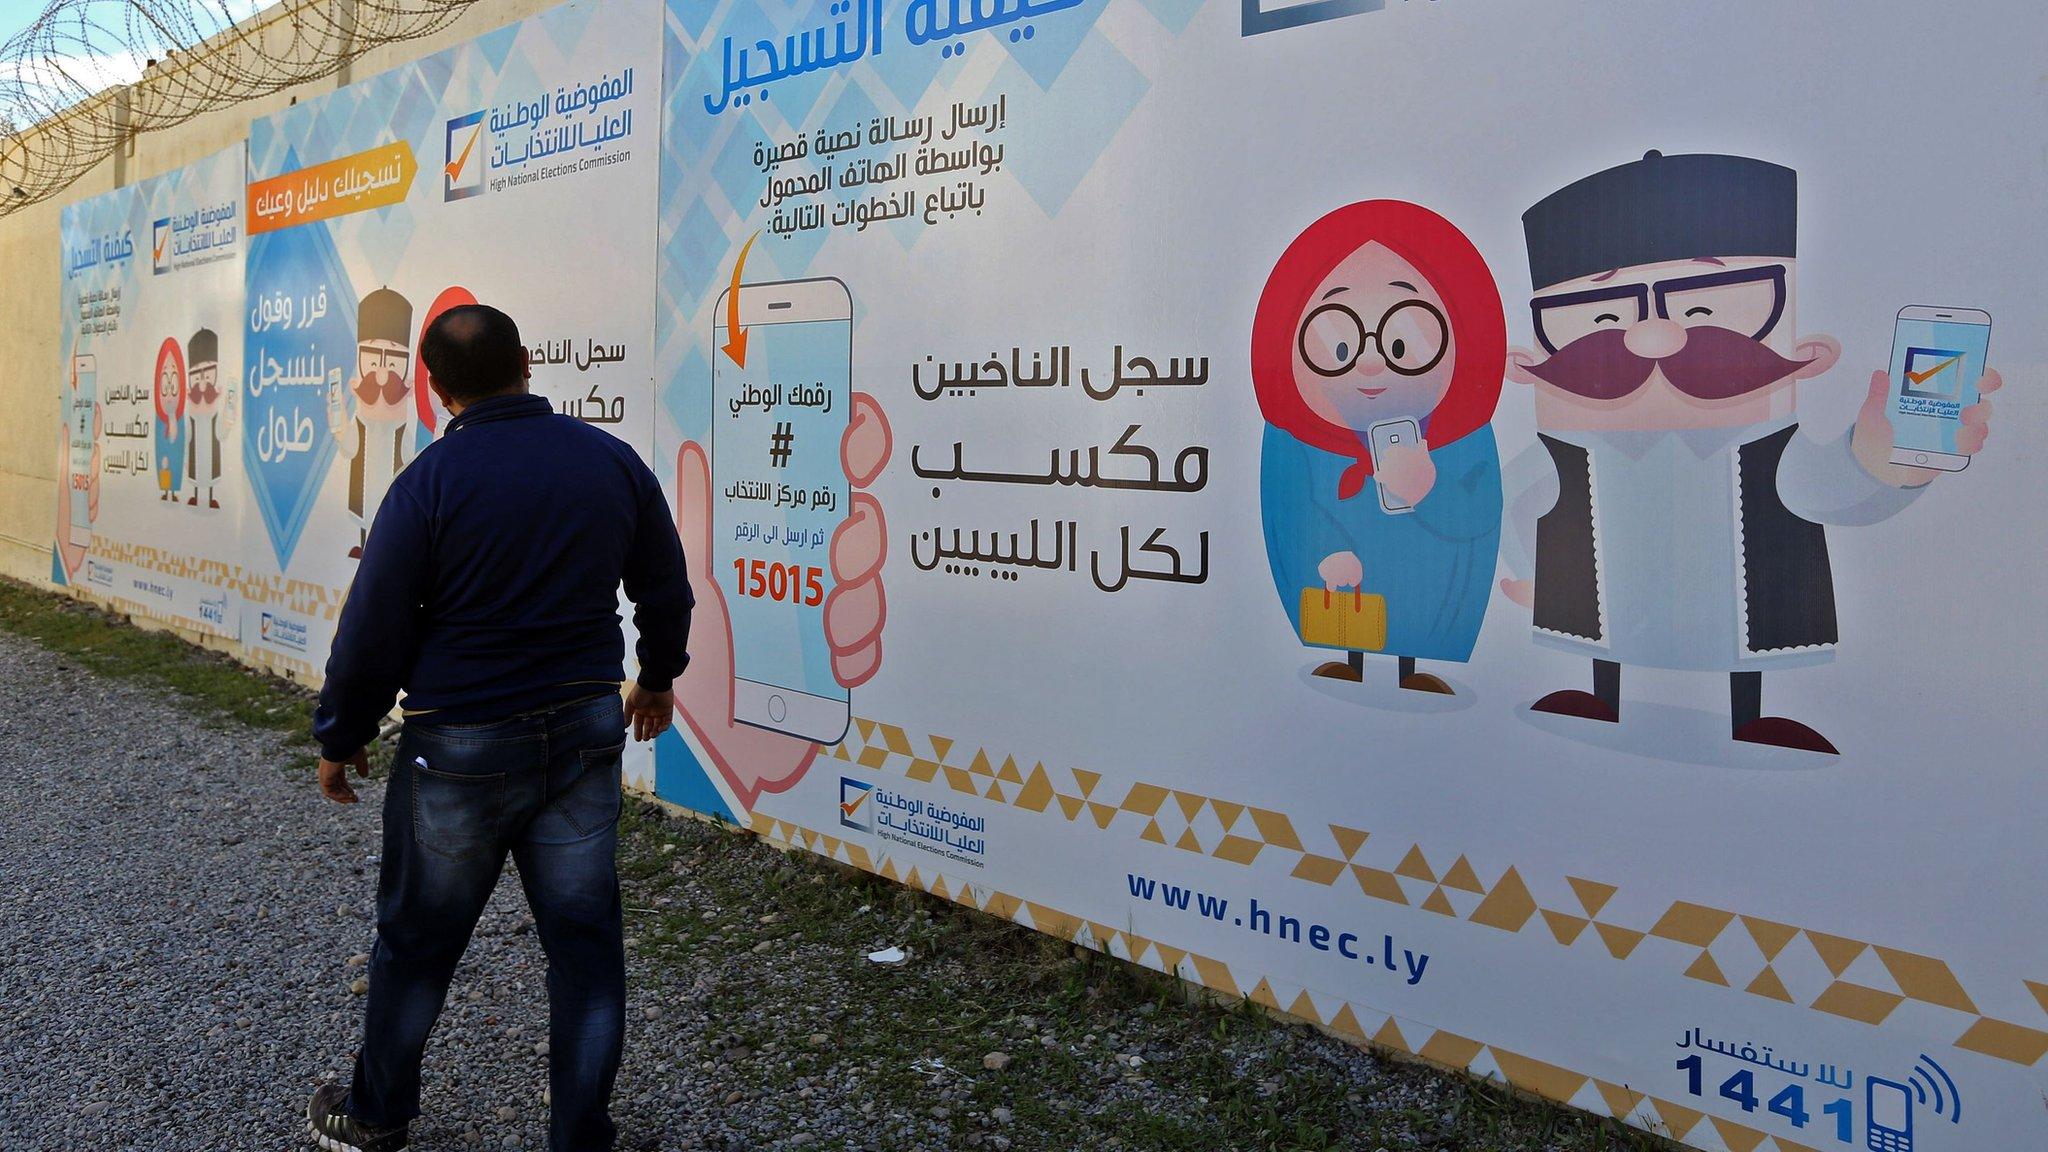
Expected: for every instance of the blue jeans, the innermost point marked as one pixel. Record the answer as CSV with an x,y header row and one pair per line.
x,y
544,786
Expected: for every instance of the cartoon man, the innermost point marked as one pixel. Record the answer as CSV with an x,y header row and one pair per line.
x,y
169,400
375,441
1676,512
1377,354
210,417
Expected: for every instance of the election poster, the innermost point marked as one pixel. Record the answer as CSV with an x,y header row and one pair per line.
x,y
516,170
150,489
1464,523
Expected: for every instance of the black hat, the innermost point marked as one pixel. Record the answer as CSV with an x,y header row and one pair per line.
x,y
384,315
203,347
1662,208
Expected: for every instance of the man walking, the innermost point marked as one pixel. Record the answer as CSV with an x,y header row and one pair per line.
x,y
488,591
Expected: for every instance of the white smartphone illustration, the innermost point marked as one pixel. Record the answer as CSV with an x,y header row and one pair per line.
x,y
1379,438
1937,359
1890,1109
85,396
780,394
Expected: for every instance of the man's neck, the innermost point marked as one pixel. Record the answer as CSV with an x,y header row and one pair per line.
x,y
458,407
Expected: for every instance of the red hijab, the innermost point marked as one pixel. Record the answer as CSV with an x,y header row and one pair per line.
x,y
169,351
1453,267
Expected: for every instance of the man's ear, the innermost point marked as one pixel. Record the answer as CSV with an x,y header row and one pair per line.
x,y
1520,360
1819,353
526,363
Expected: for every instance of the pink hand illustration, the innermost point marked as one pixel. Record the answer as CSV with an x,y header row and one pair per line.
x,y
756,760
1872,439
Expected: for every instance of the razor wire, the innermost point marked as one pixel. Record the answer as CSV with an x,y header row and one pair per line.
x,y
87,76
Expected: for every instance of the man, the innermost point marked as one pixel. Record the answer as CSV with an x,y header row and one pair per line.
x,y
488,591
209,420
1680,509
374,442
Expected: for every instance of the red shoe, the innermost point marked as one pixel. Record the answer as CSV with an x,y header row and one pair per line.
x,y
1582,705
356,553
1778,732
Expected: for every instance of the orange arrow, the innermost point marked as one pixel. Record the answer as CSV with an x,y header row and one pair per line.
x,y
736,342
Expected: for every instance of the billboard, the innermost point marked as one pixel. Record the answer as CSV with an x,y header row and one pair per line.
x,y
1464,523
517,170
150,493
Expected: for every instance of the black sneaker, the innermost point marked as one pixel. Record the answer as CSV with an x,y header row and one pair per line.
x,y
337,1131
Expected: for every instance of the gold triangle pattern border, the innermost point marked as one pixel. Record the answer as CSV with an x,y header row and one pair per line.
x,y
1355,1022
1853,979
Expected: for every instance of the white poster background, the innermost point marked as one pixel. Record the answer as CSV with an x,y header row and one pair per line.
x,y
1917,839
558,241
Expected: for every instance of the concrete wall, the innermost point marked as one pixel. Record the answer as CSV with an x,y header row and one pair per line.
x,y
29,266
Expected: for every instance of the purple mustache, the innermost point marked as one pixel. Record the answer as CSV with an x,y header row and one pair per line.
x,y
1715,364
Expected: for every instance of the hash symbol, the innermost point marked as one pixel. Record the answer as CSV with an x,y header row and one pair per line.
x,y
778,445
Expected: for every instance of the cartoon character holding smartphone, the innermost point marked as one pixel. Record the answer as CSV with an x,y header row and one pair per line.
x,y
1377,354
1673,514
759,715
1937,363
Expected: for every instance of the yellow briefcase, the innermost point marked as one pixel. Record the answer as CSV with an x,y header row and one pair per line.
x,y
1353,620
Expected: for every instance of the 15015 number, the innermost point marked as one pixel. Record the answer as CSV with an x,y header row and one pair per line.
x,y
789,583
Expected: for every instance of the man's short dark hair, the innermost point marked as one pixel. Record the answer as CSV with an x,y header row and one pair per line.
x,y
473,351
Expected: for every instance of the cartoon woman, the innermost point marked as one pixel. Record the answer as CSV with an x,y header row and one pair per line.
x,y
170,419
1377,355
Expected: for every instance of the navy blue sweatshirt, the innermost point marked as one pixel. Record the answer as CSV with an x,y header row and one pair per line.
x,y
489,583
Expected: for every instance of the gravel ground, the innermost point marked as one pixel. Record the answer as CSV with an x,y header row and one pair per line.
x,y
183,924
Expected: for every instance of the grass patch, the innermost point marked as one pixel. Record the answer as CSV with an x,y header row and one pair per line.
x,y
111,646
774,940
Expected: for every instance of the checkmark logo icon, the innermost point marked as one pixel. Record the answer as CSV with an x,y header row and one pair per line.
x,y
1926,374
455,166
848,808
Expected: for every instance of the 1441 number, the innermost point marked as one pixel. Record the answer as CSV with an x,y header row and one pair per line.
x,y
791,583
1789,1103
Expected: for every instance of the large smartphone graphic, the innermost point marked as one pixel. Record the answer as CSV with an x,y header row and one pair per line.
x,y
85,395
780,400
1937,358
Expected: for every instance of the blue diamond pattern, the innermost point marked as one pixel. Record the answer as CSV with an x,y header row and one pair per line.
x,y
1175,14
1056,136
1053,41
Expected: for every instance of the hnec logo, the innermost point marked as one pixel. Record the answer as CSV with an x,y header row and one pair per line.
x,y
281,632
854,811
1273,15
160,247
462,168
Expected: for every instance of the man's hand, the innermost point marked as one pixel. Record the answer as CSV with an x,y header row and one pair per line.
x,y
334,776
1873,437
651,713
756,760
